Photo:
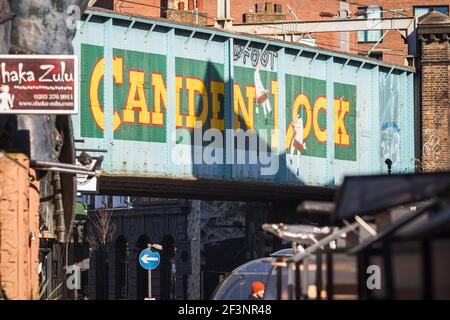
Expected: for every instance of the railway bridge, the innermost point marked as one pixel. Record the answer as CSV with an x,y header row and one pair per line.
x,y
186,111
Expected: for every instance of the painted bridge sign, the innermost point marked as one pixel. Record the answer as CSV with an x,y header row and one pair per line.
x,y
231,110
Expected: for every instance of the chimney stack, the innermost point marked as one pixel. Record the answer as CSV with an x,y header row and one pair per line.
x,y
200,5
191,5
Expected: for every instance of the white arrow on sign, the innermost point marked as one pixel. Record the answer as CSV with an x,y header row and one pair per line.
x,y
146,258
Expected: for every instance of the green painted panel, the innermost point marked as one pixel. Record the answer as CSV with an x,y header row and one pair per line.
x,y
244,78
90,56
346,92
312,89
203,73
139,129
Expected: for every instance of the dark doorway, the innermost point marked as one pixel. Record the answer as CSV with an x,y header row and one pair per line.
x,y
168,268
122,268
101,275
141,273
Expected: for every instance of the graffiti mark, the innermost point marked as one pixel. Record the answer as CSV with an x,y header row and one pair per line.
x,y
254,56
431,149
432,146
390,142
393,125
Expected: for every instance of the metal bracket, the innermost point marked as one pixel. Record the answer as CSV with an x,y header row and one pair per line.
x,y
345,64
348,224
314,58
264,49
366,226
262,52
246,46
64,168
128,29
85,21
389,73
361,65
189,39
378,42
298,55
207,42
149,32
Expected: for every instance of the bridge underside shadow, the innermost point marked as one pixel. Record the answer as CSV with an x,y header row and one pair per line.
x,y
209,189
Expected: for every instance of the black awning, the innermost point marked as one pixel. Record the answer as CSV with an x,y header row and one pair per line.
x,y
368,195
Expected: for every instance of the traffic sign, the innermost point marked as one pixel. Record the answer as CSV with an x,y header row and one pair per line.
x,y
149,259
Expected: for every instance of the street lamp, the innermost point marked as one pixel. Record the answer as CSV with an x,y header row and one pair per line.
x,y
388,162
157,247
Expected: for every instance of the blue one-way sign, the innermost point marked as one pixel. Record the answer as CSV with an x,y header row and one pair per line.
x,y
149,259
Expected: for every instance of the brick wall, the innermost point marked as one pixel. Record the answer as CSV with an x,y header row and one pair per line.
x,y
187,17
393,46
435,84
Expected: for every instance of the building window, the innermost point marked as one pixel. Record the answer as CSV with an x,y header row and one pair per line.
x,y
423,10
376,55
370,36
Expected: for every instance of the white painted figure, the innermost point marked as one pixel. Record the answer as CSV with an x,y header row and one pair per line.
x,y
297,142
262,95
6,99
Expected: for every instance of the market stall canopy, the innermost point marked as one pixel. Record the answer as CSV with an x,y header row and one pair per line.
x,y
368,195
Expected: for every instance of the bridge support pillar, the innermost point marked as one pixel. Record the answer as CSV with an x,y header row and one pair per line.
x,y
256,215
193,234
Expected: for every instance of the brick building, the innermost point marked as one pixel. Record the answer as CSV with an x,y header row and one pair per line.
x,y
198,239
433,33
114,270
392,47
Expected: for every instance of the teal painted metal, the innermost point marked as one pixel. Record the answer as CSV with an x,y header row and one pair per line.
x,y
145,82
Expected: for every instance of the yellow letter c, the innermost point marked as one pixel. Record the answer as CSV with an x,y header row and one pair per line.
x,y
96,78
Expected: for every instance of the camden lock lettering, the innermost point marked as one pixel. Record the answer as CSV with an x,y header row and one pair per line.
x,y
205,104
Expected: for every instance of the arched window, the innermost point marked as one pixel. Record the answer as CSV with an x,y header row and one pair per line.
x,y
122,268
141,273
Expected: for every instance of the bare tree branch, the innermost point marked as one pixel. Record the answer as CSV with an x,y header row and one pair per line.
x,y
102,230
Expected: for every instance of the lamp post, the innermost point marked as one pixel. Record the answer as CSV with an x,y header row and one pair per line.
x,y
157,247
389,165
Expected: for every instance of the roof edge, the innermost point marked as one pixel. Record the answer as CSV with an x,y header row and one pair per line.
x,y
248,37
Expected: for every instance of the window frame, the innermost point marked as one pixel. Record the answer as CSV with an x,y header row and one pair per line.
x,y
430,8
366,32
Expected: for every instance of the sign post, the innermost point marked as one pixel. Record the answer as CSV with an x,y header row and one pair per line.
x,y
149,260
149,247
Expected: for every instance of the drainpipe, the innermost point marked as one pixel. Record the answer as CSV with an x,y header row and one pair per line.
x,y
60,228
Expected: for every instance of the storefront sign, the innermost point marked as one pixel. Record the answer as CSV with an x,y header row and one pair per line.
x,y
39,84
